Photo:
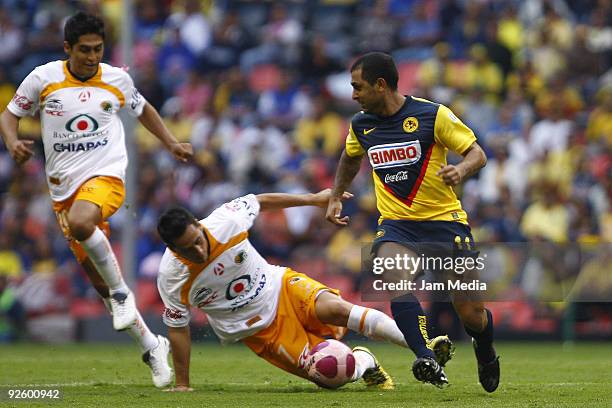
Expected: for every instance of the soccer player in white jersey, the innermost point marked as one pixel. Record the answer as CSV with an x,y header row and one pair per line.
x,y
278,313
86,158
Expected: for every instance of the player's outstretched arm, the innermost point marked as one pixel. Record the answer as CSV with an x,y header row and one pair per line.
x,y
151,120
20,150
277,201
346,172
474,158
180,341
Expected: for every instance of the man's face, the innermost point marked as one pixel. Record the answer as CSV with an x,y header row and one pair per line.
x,y
85,55
367,95
192,245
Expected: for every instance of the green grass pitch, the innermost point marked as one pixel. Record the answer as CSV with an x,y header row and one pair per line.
x,y
89,375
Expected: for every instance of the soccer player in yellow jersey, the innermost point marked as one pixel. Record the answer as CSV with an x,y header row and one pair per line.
x,y
406,140
85,161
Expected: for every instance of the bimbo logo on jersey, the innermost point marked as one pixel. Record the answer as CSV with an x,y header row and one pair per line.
x,y
394,154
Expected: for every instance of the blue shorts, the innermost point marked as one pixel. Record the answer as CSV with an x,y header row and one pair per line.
x,y
427,237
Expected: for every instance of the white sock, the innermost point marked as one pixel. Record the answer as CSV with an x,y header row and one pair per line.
x,y
363,361
99,250
375,325
139,331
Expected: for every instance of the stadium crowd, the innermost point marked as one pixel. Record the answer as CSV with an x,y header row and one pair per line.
x,y
262,91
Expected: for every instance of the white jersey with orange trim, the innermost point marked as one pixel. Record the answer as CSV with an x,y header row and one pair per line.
x,y
82,134
236,287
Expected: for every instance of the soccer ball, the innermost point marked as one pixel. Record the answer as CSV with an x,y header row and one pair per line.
x,y
330,364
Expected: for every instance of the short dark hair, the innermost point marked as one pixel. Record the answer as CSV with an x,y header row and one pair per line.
x,y
376,65
80,24
173,223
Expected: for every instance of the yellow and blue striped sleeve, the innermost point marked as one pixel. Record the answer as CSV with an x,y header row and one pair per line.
x,y
353,147
451,132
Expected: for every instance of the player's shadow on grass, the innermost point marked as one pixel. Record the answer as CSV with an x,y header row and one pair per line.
x,y
278,388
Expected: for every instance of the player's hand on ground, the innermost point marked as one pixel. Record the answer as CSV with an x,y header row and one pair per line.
x,y
181,151
451,175
178,388
334,209
21,150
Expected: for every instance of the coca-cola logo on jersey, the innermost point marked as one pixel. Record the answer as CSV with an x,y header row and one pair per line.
x,y
399,176
23,102
394,154
173,314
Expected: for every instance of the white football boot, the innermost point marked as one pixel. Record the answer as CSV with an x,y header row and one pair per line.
x,y
157,360
123,309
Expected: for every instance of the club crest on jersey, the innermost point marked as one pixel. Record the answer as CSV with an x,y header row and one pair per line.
x,y
380,233
394,154
106,106
237,287
242,255
410,124
82,123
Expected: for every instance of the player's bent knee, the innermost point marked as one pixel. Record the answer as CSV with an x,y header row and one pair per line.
x,y
473,316
332,309
80,229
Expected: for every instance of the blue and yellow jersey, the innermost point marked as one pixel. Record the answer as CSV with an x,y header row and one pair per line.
x,y
405,151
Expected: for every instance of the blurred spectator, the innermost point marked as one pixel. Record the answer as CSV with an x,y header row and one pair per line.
x,y
472,30
497,51
559,95
316,63
149,86
10,261
322,131
7,88
11,40
419,32
174,60
548,59
552,132
586,65
525,79
547,218
599,128
510,30
233,96
149,20
285,104
12,316
344,249
194,94
230,38
375,30
280,40
477,110
500,173
482,73
194,29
